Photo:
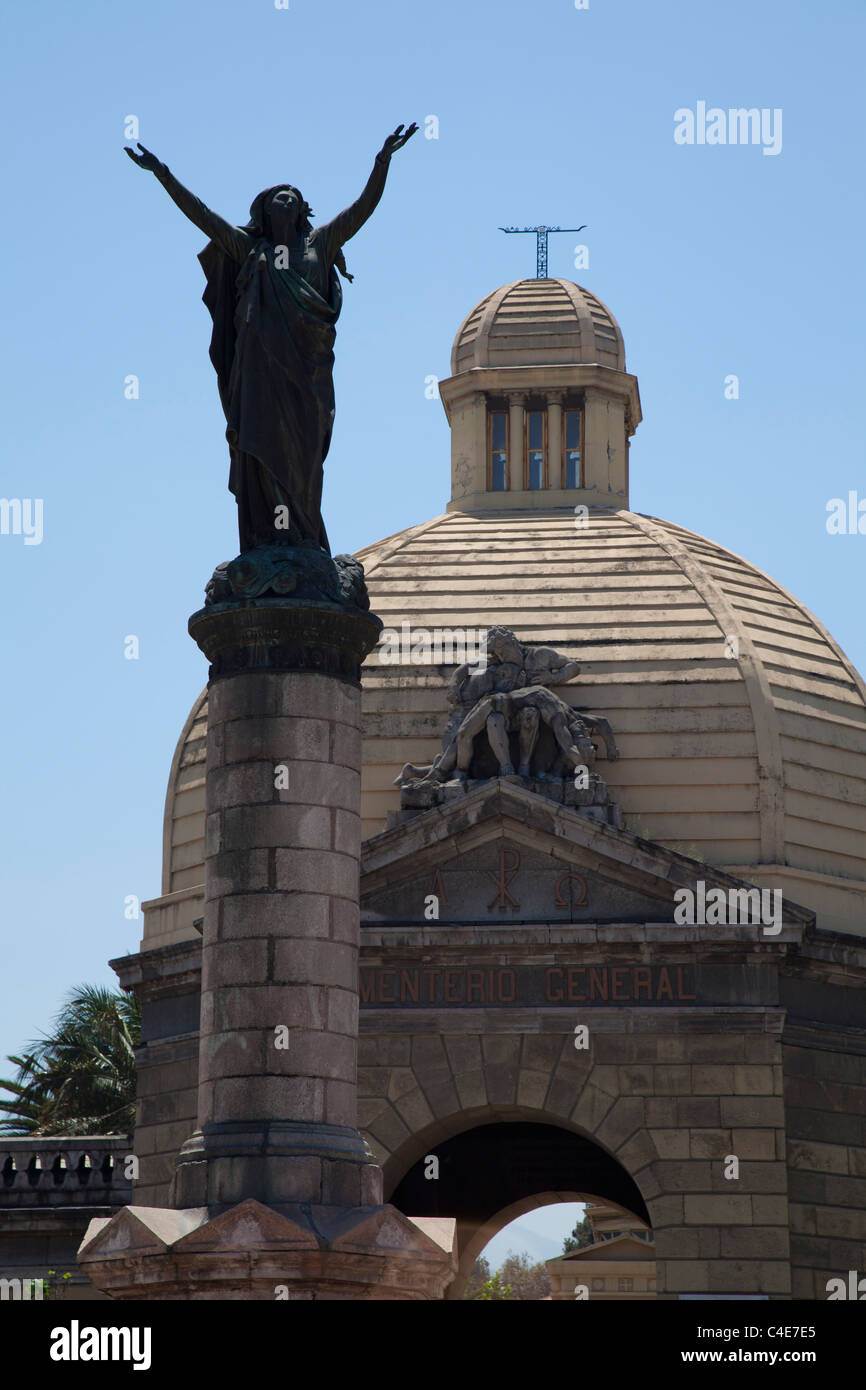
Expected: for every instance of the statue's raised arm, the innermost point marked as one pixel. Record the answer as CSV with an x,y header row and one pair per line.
x,y
339,230
233,240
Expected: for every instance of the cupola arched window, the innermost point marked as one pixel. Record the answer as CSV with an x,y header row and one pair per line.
x,y
529,439
497,450
572,446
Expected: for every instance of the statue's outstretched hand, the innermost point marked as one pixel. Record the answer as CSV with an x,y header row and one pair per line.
x,y
395,141
145,160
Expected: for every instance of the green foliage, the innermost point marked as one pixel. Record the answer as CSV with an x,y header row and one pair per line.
x,y
80,1079
51,1289
580,1236
494,1289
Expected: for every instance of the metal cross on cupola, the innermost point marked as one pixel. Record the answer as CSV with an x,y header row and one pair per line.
x,y
541,235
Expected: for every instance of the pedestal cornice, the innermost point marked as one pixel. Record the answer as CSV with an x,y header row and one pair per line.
x,y
281,634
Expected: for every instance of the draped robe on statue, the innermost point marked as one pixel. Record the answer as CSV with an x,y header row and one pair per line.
x,y
272,345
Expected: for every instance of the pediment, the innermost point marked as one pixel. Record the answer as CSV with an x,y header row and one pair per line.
x,y
617,1248
505,854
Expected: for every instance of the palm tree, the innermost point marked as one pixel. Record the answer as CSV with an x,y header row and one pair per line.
x,y
80,1079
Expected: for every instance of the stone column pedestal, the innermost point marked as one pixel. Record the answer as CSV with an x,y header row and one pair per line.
x,y
277,1169
253,1253
277,1116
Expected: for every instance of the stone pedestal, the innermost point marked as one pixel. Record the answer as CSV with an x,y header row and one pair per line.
x,y
252,1252
279,1007
276,1170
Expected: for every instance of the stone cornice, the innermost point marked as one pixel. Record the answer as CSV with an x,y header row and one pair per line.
x,y
605,381
522,939
162,971
279,634
517,498
624,1018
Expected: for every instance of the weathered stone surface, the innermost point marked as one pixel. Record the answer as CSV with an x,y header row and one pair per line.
x,y
282,634
252,1252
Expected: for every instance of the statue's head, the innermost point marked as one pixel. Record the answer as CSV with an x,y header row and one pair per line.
x,y
280,213
502,645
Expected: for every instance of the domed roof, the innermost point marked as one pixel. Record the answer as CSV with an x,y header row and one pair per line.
x,y
740,722
741,725
538,322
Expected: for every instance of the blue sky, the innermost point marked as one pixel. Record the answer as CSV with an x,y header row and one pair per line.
x,y
539,1234
717,260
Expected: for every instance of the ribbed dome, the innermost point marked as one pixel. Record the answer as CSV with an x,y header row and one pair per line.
x,y
741,725
538,322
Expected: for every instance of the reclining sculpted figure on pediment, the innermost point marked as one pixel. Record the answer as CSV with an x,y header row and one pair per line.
x,y
506,722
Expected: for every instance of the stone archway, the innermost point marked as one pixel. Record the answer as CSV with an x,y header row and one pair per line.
x,y
490,1172
474,1245
474,1241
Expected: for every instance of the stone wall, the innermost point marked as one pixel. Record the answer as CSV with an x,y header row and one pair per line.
x,y
825,1105
669,1093
168,984
165,1112
669,1104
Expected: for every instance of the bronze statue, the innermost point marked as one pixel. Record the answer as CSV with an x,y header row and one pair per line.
x,y
274,295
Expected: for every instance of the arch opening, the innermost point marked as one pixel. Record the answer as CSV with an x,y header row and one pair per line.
x,y
487,1175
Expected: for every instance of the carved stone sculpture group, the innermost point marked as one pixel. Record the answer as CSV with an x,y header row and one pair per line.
x,y
506,722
